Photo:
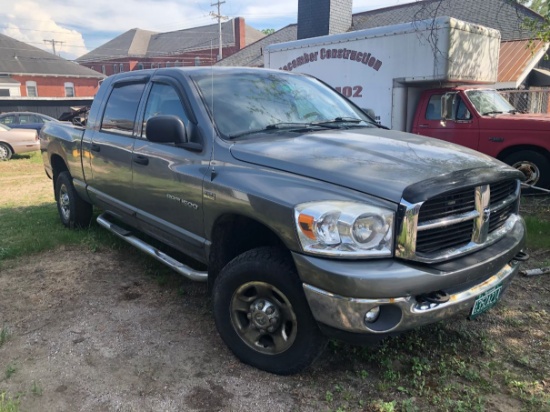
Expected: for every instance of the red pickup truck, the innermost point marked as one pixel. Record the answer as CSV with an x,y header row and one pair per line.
x,y
483,120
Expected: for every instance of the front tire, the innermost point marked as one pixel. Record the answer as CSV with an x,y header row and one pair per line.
x,y
5,152
534,165
74,212
262,314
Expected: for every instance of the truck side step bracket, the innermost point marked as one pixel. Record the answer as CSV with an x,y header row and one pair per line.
x,y
162,257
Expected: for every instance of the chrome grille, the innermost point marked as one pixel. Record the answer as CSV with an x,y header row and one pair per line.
x,y
430,241
447,205
456,222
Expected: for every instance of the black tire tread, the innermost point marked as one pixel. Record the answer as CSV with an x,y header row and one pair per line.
x,y
312,342
81,211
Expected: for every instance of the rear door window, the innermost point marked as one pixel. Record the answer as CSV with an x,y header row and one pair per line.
x,y
121,108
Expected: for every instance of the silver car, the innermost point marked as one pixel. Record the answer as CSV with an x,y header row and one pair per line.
x,y
15,141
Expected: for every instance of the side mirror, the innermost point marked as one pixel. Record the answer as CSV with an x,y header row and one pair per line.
x,y
448,103
369,112
166,129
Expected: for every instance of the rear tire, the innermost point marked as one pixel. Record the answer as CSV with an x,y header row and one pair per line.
x,y
534,165
5,152
262,314
73,210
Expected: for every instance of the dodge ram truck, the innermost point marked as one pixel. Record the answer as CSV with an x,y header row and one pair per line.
x,y
307,219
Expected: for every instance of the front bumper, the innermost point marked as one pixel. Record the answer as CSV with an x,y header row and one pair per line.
x,y
340,293
397,314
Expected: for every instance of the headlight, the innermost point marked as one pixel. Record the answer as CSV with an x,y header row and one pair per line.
x,y
345,229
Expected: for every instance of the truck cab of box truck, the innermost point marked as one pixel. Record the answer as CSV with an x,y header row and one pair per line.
x,y
483,120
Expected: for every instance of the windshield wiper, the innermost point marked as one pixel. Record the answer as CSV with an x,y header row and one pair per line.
x,y
340,120
274,126
492,112
513,111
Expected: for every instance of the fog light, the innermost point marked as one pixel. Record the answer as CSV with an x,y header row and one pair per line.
x,y
372,315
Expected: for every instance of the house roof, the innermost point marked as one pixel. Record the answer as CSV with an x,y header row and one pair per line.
x,y
503,15
21,58
517,59
252,55
144,43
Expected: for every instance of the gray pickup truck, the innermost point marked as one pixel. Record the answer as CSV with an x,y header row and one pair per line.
x,y
311,220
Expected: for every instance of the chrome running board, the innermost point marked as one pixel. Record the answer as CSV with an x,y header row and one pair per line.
x,y
162,257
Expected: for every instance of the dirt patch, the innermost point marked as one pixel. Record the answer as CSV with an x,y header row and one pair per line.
x,y
95,332
91,331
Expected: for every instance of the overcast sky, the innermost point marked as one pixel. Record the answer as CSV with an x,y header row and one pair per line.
x,y
82,26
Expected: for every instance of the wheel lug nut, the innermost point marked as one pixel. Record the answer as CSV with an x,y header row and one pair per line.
x,y
249,315
269,310
261,304
270,329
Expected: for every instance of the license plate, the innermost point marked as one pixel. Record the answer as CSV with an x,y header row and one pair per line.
x,y
486,301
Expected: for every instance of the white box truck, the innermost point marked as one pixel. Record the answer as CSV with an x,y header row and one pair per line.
x,y
404,72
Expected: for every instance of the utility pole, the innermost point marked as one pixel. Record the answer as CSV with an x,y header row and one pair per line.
x,y
53,42
219,17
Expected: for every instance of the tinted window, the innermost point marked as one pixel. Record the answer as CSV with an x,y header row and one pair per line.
x,y
9,119
162,100
248,101
121,108
433,111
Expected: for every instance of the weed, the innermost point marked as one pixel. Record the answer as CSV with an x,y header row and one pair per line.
x,y
329,396
382,406
363,374
538,232
10,370
408,405
36,389
8,404
4,335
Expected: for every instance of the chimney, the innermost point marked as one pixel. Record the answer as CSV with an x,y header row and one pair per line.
x,y
322,17
240,33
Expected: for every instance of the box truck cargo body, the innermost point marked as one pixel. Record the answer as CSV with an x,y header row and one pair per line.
x,y
384,69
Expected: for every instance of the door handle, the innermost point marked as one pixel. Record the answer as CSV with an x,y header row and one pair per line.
x,y
141,160
95,147
423,125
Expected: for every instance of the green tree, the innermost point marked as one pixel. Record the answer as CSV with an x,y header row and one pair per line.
x,y
539,28
267,32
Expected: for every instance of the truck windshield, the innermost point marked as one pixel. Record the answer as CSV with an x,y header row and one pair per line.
x,y
244,102
489,102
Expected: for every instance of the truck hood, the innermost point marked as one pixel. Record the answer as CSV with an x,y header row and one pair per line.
x,y
517,121
378,162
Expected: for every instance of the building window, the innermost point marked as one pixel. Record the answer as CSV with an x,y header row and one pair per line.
x,y
121,67
69,89
140,66
103,69
115,68
168,64
32,90
197,61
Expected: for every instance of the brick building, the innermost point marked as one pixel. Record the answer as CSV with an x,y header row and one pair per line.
x,y
29,72
142,49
